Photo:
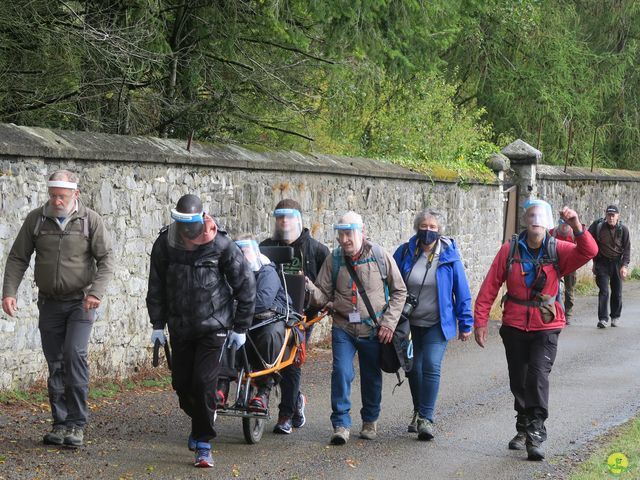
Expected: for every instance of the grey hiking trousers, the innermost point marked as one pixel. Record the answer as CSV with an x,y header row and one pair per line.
x,y
65,328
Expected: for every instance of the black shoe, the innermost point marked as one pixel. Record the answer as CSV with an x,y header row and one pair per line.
x,y
518,442
534,452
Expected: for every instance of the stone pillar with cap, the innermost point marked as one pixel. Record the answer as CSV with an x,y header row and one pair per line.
x,y
523,160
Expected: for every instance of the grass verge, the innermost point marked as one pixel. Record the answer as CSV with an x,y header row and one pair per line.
x,y
99,390
616,458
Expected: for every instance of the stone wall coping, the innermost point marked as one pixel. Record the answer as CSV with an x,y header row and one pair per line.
x,y
555,172
22,141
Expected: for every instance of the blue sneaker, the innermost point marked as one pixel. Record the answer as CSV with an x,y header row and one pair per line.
x,y
298,420
191,443
283,426
204,459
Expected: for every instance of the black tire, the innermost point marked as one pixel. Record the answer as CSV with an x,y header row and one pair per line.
x,y
253,428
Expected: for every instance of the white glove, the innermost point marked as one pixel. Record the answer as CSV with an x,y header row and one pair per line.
x,y
159,336
236,339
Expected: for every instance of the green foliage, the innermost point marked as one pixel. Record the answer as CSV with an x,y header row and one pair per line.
x,y
431,85
635,273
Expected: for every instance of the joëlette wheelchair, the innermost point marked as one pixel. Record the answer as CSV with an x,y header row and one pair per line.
x,y
237,405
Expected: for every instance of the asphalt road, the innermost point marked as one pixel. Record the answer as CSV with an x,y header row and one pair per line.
x,y
594,387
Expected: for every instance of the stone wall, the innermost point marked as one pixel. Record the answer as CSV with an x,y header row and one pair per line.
x,y
590,193
133,182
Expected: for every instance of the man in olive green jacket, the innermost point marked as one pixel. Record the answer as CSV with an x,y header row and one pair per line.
x,y
73,265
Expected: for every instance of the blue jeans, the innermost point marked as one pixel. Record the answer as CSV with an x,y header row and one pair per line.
x,y
429,346
344,348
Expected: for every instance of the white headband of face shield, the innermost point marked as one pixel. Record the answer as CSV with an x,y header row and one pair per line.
x,y
62,184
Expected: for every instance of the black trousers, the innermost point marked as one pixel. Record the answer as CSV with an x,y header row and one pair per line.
x,y
608,273
194,377
290,385
263,346
530,357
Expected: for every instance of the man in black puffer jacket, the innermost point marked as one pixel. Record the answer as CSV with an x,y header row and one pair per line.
x,y
196,274
308,256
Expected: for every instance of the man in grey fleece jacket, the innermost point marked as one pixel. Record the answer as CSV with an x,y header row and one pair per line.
x,y
74,263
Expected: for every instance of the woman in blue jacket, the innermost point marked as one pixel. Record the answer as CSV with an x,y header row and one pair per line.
x,y
438,307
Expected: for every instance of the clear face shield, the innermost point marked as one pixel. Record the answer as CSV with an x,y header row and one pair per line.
x,y
251,252
186,231
538,214
349,237
288,225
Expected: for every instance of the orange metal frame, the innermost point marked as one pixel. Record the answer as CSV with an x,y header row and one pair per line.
x,y
280,364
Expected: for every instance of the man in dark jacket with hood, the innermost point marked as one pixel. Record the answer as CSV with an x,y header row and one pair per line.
x,y
309,255
196,274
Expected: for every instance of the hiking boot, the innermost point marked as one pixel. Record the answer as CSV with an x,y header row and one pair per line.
x,y
615,322
602,324
259,403
534,451
204,459
369,431
74,437
413,424
340,436
425,429
518,442
283,426
56,435
191,443
298,420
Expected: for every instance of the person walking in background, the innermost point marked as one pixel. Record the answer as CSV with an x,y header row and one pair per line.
x,y
564,232
532,317
74,263
438,306
201,287
611,265
358,267
308,257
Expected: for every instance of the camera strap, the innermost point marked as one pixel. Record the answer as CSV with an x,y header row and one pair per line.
x,y
361,290
429,262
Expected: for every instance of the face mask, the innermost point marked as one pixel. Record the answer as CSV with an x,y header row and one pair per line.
x,y
427,237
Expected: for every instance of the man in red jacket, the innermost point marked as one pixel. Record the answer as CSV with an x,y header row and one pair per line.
x,y
532,317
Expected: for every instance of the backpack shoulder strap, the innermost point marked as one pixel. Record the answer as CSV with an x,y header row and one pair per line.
x,y
513,247
378,254
552,253
337,262
38,227
599,227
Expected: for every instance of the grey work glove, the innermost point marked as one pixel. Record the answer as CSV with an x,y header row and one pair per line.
x,y
236,339
159,336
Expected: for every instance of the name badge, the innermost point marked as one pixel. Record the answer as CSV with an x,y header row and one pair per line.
x,y
354,317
